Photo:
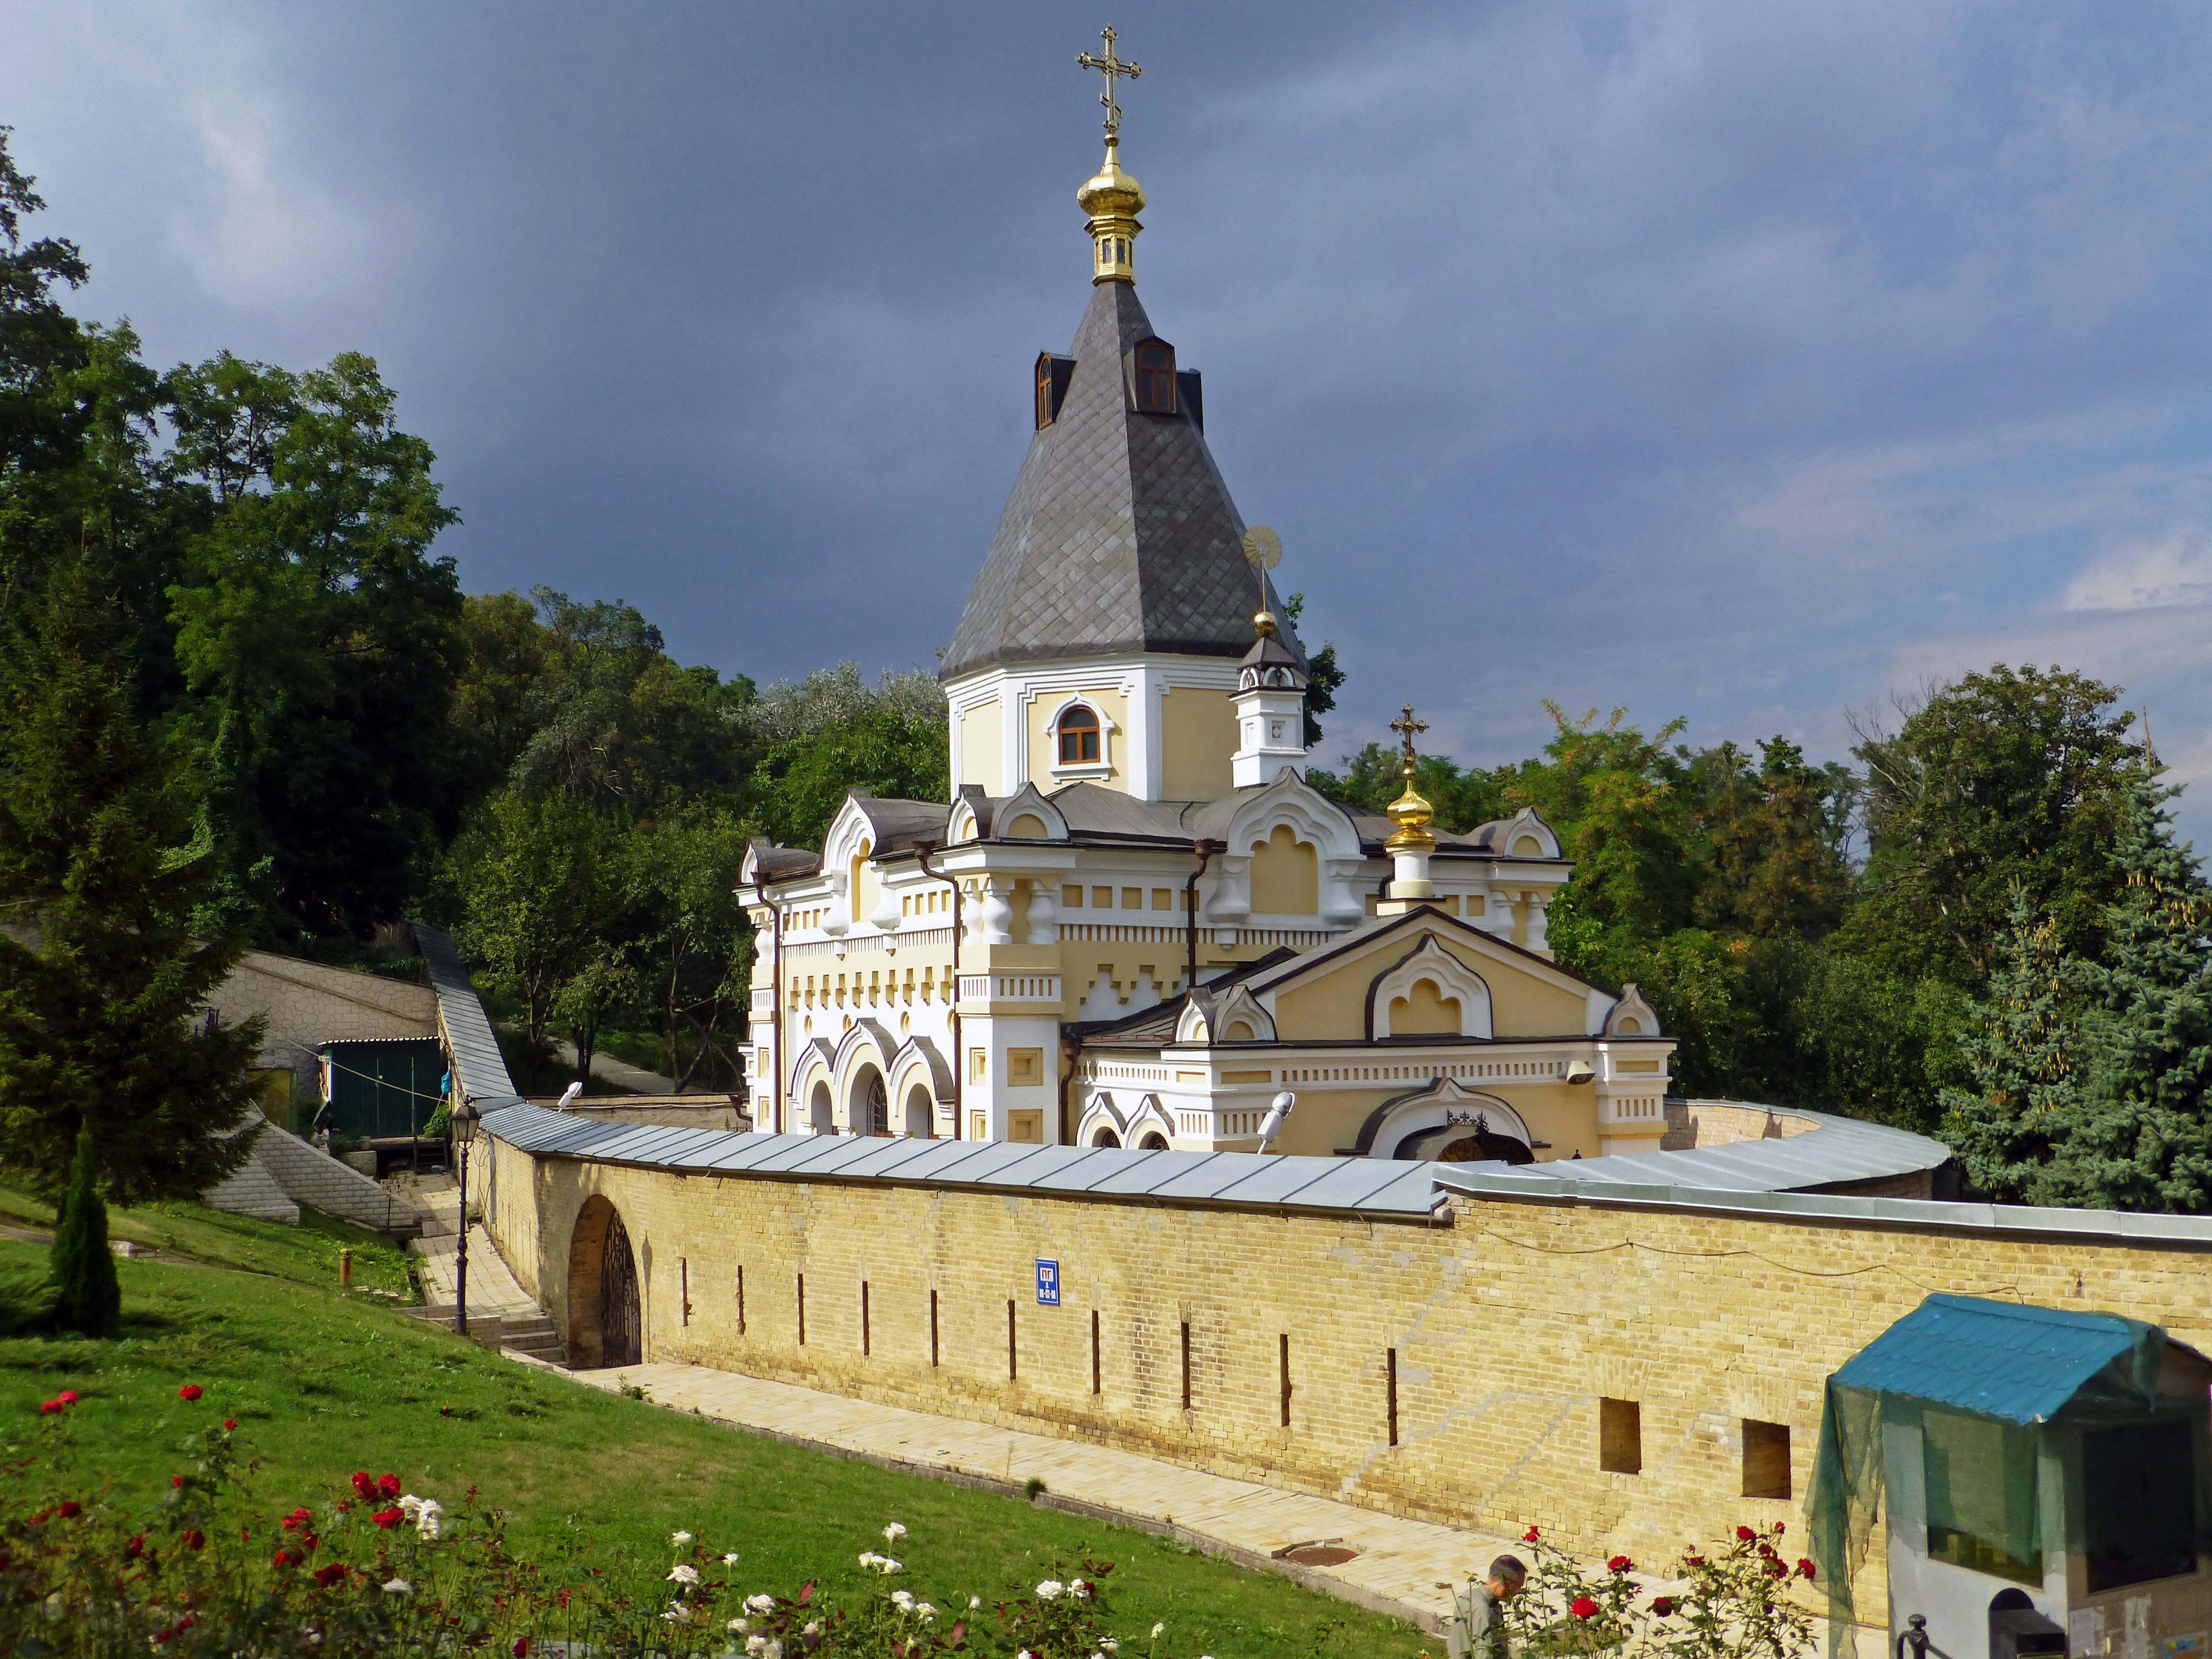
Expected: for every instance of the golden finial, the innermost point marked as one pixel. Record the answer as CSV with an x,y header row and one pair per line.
x,y
1112,198
1410,814
1263,552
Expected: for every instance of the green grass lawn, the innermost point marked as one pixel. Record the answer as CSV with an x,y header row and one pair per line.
x,y
307,1253
323,1384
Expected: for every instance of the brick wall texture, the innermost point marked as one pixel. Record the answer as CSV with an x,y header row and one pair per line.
x,y
1510,1321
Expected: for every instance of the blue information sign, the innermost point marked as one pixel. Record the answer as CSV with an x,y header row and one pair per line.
x,y
1048,1282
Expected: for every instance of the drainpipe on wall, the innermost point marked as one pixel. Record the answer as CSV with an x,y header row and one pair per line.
x,y
1068,1050
1205,850
922,849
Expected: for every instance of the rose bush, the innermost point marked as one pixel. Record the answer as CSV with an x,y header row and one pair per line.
x,y
1733,1603
207,1568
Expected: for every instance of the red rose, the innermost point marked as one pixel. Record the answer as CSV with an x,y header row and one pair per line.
x,y
1805,1568
521,1646
176,1479
364,1484
282,1559
229,1424
1662,1605
1778,1530
387,1519
329,1575
195,1540
1746,1534
388,1485
1583,1607
71,1509
40,1519
189,1392
290,1523
48,1407
67,1396
1529,1536
1620,1564
134,1546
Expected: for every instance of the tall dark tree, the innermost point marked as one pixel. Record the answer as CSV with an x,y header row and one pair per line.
x,y
1775,840
88,1296
2008,779
320,638
104,853
2025,1104
2144,1138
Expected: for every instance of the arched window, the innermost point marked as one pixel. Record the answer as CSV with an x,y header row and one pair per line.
x,y
1043,392
1156,377
1078,736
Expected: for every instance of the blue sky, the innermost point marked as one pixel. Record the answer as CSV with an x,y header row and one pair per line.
x,y
1748,362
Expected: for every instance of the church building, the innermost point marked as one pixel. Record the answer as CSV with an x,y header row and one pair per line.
x,y
1135,924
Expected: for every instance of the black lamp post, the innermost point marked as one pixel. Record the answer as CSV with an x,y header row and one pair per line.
x,y
464,1118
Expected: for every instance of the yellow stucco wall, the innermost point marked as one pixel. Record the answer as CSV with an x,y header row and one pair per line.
x,y
1285,875
1198,734
981,762
1332,1005
1113,739
1510,1322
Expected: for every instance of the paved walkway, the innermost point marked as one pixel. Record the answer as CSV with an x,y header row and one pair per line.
x,y
1403,1567
493,1292
620,1072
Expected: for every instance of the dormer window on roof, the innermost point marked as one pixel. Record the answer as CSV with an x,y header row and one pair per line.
x,y
1053,372
1153,376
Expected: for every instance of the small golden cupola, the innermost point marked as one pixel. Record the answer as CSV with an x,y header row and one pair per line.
x,y
1411,841
1112,198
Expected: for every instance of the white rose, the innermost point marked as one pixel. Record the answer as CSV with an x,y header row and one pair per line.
x,y
924,1611
1159,1630
903,1600
885,1564
756,1645
677,1613
679,1539
1110,1645
398,1587
739,1627
762,1603
731,1559
974,1601
683,1573
893,1533
1051,1588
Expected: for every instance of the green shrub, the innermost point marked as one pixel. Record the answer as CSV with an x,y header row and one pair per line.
x,y
88,1297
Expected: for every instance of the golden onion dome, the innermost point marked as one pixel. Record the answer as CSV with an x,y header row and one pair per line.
x,y
1410,816
1110,192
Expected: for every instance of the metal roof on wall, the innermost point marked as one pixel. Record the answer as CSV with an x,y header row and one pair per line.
x,y
479,1068
2019,1364
1370,1186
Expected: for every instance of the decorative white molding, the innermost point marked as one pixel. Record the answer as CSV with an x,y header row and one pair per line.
x,y
1431,961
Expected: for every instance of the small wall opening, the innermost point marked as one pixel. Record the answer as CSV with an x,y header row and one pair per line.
x,y
1620,1437
1765,1459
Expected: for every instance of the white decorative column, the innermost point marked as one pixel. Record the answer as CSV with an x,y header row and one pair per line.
x,y
996,912
1044,913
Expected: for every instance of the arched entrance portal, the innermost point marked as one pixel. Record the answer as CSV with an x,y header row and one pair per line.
x,y
605,1323
921,1113
867,1111
818,1120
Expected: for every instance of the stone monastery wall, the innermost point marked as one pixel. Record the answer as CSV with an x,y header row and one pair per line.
x,y
1504,1324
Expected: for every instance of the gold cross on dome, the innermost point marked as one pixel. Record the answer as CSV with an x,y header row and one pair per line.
x,y
1110,66
1408,728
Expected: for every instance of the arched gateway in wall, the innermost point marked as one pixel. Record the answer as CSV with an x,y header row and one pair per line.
x,y
605,1320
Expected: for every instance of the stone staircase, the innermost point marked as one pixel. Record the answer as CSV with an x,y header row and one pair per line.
x,y
532,1335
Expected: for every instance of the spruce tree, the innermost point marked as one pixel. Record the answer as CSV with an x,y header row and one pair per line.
x,y
87,1297
2144,1137
2025,1102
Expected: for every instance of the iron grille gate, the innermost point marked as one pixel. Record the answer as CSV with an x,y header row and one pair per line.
x,y
620,1322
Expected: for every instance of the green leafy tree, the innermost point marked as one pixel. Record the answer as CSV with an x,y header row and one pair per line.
x,y
104,855
87,1297
1464,797
319,637
695,946
1324,676
2144,1137
42,347
1774,836
885,750
612,718
541,884
2008,779
2025,1102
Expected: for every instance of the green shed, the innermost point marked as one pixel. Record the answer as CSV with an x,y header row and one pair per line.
x,y
381,1088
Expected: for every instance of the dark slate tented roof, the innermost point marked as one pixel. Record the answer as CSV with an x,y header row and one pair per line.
x,y
1119,536
1372,1187
2022,1364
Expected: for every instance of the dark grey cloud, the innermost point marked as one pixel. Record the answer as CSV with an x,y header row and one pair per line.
x,y
1720,358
